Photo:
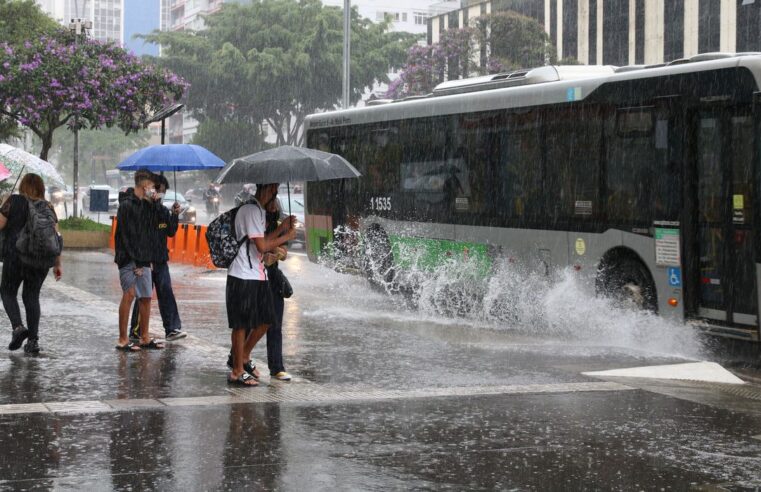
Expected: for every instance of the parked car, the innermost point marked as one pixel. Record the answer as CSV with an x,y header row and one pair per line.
x,y
187,212
113,197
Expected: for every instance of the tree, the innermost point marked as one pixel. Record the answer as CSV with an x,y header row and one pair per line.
x,y
52,81
429,65
20,20
516,40
504,40
276,61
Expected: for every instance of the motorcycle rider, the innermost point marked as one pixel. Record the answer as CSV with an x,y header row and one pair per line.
x,y
212,198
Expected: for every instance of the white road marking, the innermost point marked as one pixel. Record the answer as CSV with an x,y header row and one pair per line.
x,y
278,392
710,372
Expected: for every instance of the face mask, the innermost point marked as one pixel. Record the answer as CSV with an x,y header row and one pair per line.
x,y
149,192
159,196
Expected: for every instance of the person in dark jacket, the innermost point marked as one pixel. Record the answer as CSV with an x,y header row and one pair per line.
x,y
164,225
13,217
133,256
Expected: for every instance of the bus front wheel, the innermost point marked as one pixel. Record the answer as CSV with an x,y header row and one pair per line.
x,y
628,282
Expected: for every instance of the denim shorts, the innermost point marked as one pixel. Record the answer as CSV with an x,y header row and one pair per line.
x,y
142,283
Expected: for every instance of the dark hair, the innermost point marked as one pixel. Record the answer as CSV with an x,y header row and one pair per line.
x,y
142,175
160,180
32,187
261,186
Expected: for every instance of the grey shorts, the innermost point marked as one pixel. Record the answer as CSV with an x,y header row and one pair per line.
x,y
142,284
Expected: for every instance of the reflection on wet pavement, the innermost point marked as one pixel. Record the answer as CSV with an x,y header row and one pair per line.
x,y
385,398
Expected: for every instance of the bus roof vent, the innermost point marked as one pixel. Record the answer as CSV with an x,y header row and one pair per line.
x,y
378,102
516,78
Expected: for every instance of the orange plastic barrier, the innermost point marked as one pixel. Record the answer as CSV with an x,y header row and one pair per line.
x,y
112,238
191,245
177,250
187,246
203,257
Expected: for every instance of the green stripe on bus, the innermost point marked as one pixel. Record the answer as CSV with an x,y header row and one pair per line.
x,y
429,254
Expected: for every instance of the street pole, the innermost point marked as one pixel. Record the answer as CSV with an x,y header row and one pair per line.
x,y
347,52
78,27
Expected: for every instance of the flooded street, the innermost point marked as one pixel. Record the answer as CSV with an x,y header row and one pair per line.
x,y
384,396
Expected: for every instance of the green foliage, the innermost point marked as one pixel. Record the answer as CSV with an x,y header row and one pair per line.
x,y
82,224
511,40
276,61
516,40
229,138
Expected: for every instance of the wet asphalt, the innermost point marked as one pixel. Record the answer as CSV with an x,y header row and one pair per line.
x,y
385,397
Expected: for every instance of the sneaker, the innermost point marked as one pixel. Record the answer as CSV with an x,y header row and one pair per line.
x,y
282,376
175,335
32,347
19,335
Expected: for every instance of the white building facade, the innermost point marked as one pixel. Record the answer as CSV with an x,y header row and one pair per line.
x,y
107,16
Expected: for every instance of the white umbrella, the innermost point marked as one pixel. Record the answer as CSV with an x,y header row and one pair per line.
x,y
19,161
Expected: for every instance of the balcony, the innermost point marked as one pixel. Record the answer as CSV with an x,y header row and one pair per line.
x,y
177,4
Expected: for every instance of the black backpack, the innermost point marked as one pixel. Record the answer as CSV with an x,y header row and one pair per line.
x,y
222,240
38,243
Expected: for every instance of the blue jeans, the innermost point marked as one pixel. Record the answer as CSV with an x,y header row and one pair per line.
x,y
275,336
170,316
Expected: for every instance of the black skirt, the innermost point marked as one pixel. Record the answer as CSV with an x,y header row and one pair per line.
x,y
249,303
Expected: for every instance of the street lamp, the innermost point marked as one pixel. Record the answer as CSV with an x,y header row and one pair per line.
x,y
79,28
347,52
162,115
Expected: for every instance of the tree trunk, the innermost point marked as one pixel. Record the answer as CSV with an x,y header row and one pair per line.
x,y
47,143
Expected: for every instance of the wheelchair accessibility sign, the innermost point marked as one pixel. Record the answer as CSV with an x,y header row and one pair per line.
x,y
675,276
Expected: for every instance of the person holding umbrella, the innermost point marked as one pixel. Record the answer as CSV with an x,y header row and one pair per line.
x,y
250,308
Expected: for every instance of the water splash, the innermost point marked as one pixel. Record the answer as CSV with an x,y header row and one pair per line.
x,y
560,306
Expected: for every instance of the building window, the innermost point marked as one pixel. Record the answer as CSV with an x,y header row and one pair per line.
x,y
570,30
420,18
404,16
748,22
615,48
673,30
592,32
709,27
639,32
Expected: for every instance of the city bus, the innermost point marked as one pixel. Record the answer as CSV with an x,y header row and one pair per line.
x,y
643,180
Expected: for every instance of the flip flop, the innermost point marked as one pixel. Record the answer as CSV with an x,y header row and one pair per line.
x,y
249,367
130,347
243,380
152,345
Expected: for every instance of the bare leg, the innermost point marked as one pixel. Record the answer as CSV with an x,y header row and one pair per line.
x,y
253,337
124,310
238,339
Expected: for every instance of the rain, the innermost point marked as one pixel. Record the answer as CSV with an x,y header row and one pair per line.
x,y
474,244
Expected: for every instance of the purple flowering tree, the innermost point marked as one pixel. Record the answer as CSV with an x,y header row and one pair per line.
x,y
429,65
51,81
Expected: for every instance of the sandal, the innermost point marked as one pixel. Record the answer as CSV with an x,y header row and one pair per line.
x,y
245,379
153,345
249,367
130,347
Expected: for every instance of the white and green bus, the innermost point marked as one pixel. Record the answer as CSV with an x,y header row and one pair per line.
x,y
643,179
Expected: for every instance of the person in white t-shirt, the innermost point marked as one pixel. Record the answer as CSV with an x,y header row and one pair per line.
x,y
250,309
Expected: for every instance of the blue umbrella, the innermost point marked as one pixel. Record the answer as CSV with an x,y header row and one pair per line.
x,y
172,157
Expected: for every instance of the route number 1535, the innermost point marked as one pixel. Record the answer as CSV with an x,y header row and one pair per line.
x,y
380,203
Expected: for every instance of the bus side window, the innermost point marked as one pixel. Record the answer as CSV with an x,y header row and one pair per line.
x,y
632,164
521,183
573,139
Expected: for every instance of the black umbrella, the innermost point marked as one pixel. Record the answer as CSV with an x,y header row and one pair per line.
x,y
285,164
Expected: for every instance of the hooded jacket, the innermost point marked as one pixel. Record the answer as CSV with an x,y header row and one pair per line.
x,y
133,238
163,224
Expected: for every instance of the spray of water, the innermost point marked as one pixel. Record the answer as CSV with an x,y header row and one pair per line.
x,y
515,298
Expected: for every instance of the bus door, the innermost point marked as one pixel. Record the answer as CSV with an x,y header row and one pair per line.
x,y
722,255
